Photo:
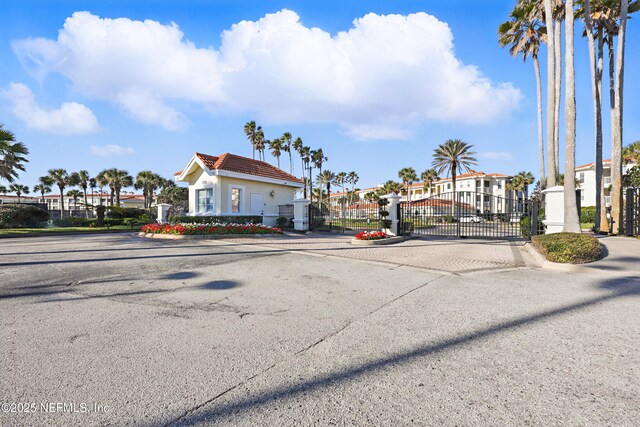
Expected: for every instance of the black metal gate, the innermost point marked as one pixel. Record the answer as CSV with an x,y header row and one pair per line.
x,y
344,217
470,214
632,212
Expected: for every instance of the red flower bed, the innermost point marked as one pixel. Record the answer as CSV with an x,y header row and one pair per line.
x,y
371,235
207,229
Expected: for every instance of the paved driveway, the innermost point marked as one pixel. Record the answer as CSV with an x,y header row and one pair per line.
x,y
193,332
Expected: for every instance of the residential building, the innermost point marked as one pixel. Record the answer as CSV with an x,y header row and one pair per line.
x,y
484,185
232,185
586,181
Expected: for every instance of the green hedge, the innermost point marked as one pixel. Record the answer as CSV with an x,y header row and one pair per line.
x,y
244,219
573,248
117,212
73,222
16,216
588,214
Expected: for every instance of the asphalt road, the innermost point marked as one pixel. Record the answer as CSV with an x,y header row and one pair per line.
x,y
153,333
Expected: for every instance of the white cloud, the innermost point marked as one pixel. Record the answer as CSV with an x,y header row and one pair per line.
x,y
495,155
70,118
377,80
111,150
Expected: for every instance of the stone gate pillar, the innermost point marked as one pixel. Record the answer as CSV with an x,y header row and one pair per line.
x,y
392,208
301,214
163,212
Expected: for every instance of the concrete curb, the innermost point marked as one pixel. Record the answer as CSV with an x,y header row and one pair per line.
x,y
555,266
387,241
202,236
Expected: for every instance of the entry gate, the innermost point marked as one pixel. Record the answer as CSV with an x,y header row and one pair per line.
x,y
344,217
632,212
470,214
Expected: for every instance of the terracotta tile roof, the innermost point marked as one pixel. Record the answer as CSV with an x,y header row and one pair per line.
x,y
234,163
588,165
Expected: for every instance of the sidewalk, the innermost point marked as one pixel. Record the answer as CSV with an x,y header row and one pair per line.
x,y
621,256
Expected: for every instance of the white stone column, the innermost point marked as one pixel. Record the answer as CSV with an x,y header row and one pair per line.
x,y
301,214
554,209
163,211
392,208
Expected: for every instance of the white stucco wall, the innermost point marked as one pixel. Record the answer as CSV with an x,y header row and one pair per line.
x,y
222,187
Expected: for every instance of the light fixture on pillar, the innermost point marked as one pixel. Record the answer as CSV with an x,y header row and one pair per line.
x,y
273,193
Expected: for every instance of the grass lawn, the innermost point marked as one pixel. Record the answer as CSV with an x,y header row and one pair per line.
x,y
587,225
19,231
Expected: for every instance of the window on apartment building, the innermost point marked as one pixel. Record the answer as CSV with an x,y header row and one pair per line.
x,y
499,185
449,186
236,196
607,200
486,184
607,180
581,177
205,200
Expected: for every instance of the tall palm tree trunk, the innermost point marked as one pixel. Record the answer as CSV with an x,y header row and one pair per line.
x,y
558,92
290,162
571,220
61,202
597,109
616,125
551,96
536,67
86,211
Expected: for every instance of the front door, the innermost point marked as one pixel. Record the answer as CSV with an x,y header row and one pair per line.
x,y
257,203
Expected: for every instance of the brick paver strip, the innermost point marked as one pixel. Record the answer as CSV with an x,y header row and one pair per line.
x,y
452,255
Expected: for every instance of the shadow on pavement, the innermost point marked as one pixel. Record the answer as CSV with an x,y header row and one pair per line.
x,y
618,288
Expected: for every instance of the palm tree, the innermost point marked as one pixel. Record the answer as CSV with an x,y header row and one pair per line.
x,y
298,146
92,184
60,177
305,156
616,125
250,130
75,194
260,143
325,179
390,187
286,142
103,181
148,182
121,179
408,177
571,220
524,33
453,156
341,180
42,189
428,177
551,93
371,197
19,189
276,149
353,178
3,189
631,153
83,182
594,30
12,155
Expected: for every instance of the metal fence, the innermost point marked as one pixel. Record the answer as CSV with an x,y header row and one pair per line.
x,y
286,211
344,217
632,212
470,214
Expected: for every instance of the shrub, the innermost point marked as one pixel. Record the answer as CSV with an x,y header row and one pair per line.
x,y
110,222
588,214
15,216
118,213
282,221
244,219
573,248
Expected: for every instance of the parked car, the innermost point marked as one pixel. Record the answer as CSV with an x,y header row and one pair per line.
x,y
471,218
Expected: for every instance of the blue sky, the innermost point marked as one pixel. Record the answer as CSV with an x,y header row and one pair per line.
x,y
377,94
